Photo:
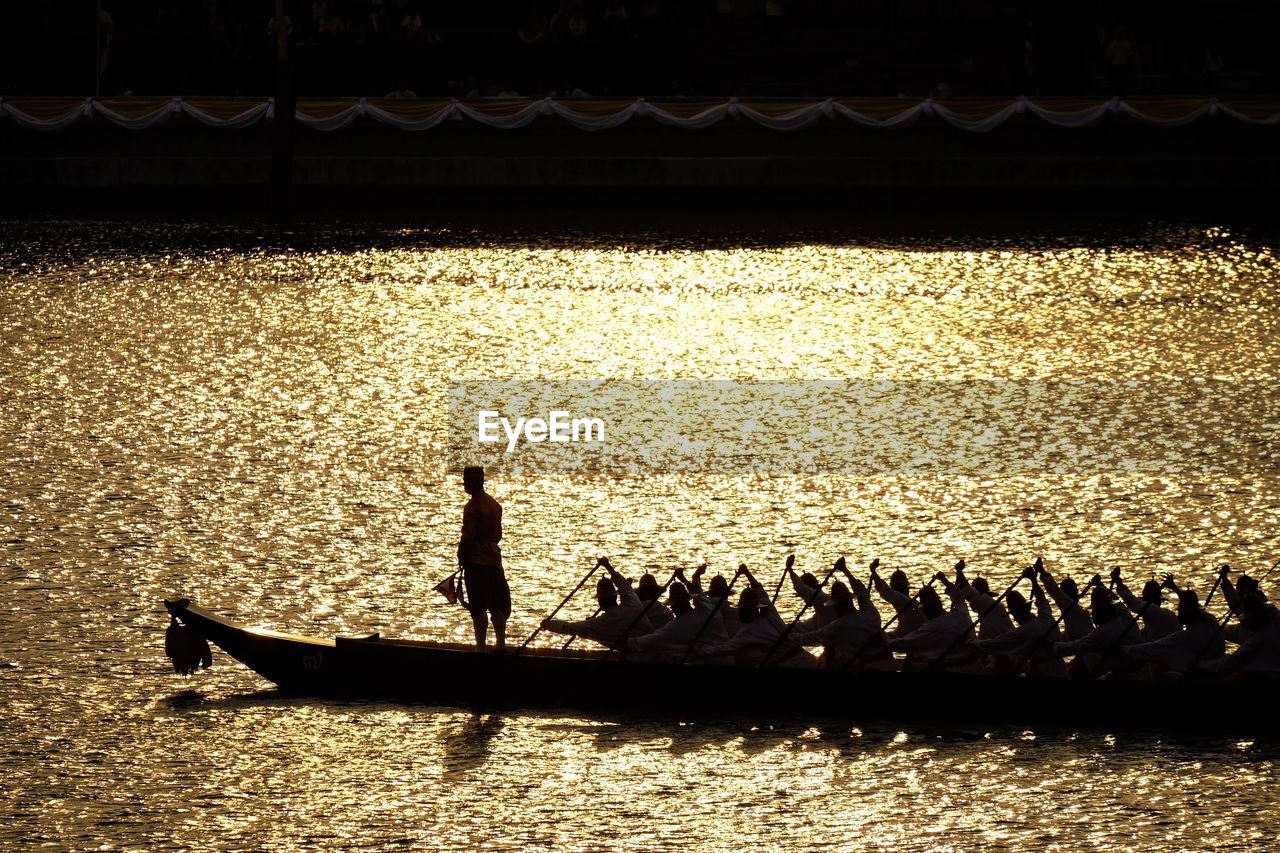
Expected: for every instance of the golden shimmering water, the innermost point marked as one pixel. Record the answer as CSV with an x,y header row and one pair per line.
x,y
255,418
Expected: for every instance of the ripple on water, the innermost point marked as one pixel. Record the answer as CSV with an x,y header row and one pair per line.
x,y
255,421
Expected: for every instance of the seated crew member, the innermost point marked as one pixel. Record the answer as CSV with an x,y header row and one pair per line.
x,y
940,633
898,593
806,587
1258,655
1076,622
1235,595
993,619
1112,632
717,593
1198,640
674,639
1031,640
616,618
757,636
1157,621
650,595
855,631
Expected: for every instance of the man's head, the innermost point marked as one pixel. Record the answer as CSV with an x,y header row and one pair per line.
x,y
841,598
718,587
1254,612
473,479
1019,607
981,585
748,606
1101,607
648,589
678,598
1068,586
1188,606
606,594
1249,586
809,580
1151,592
930,603
898,581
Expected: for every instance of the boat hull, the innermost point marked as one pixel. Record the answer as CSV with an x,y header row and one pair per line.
x,y
443,673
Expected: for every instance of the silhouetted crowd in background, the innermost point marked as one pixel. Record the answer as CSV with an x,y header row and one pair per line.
x,y
533,48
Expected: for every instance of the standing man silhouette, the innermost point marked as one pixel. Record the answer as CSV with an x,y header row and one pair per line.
x,y
481,561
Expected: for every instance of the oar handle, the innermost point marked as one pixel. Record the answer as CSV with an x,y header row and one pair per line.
x,y
1222,626
714,610
644,611
787,632
1097,667
1217,582
777,590
1075,602
569,642
571,594
974,624
885,627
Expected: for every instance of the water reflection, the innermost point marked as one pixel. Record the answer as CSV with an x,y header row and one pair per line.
x,y
467,748
254,421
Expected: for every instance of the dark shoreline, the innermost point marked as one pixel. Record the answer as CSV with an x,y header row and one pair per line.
x,y
654,217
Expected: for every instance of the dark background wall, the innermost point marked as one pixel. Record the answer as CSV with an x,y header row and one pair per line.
x,y
660,47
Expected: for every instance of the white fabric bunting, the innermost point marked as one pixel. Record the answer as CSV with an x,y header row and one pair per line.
x,y
970,115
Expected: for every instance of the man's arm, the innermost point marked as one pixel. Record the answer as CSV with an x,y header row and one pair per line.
x,y
957,597
1015,640
620,582
693,584
1130,600
861,594
1229,592
468,531
1042,602
1059,597
816,597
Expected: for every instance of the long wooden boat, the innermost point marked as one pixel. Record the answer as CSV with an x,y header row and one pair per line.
x,y
455,674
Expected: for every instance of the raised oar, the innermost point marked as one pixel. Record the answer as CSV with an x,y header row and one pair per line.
x,y
1111,649
1075,602
1168,584
884,629
1222,573
571,594
1039,564
777,590
714,611
644,611
839,566
1231,611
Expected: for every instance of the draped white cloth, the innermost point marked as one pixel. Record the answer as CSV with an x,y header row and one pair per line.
x,y
968,114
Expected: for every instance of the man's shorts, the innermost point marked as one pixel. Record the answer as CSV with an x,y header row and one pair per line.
x,y
487,590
